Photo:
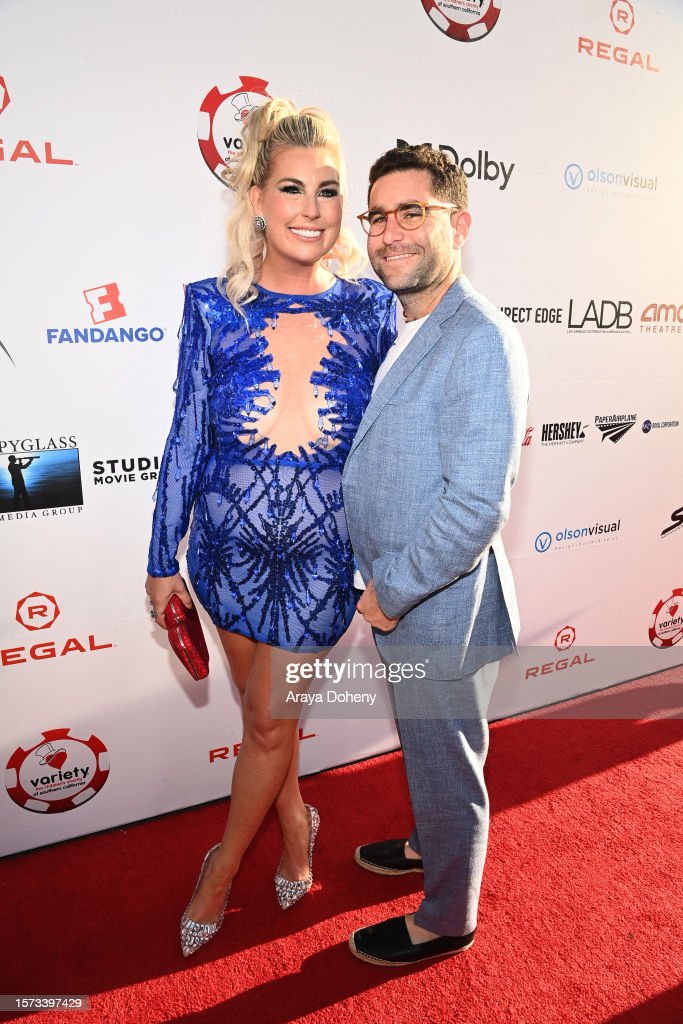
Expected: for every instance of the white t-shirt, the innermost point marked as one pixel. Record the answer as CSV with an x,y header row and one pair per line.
x,y
407,329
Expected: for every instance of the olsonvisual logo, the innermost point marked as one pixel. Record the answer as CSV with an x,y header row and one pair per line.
x,y
104,304
662,318
221,117
599,316
566,432
125,471
482,166
39,475
579,536
37,611
615,426
19,150
609,182
59,773
622,18
40,611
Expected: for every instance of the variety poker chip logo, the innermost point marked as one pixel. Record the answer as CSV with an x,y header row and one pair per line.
x,y
58,774
623,18
666,626
39,474
104,304
615,426
464,20
221,116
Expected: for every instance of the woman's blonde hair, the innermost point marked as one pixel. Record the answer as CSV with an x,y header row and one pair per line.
x,y
268,129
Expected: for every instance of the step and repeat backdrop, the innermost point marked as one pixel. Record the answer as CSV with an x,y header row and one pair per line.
x,y
115,124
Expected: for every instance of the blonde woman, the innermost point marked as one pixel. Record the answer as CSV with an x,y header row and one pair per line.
x,y
276,366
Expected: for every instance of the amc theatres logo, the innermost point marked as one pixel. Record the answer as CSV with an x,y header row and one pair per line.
x,y
40,611
37,611
104,302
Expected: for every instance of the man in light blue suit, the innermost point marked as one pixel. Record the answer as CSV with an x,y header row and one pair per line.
x,y
427,492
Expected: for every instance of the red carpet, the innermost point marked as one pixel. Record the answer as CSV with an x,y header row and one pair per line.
x,y
579,919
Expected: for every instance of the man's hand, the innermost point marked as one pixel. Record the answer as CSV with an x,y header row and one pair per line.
x,y
369,608
159,590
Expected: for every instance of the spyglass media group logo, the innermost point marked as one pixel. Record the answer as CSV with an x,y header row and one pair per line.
x,y
104,304
221,118
464,20
39,476
58,773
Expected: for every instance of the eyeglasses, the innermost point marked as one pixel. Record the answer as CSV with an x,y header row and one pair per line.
x,y
409,216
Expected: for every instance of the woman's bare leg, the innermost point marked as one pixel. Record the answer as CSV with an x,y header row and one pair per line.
x,y
262,767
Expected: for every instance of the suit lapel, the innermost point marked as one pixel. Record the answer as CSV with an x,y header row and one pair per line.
x,y
417,349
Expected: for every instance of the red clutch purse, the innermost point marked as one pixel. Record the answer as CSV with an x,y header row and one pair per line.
x,y
186,637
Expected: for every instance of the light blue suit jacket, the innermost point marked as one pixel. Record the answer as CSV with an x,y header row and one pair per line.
x,y
427,487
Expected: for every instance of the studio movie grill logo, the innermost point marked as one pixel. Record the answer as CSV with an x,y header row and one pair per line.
x,y
666,625
40,611
59,773
16,151
104,304
221,117
125,471
464,20
483,167
622,17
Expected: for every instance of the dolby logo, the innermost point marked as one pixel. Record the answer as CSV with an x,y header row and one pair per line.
x,y
481,166
567,432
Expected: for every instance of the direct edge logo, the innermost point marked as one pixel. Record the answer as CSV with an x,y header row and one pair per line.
x,y
21,150
482,167
622,17
58,774
40,611
104,305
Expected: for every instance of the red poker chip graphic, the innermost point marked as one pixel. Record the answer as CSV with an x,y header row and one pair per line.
x,y
666,628
464,20
57,774
221,117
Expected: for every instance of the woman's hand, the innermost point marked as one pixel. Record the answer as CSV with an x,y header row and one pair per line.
x,y
159,590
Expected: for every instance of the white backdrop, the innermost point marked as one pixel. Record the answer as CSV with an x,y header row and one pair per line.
x,y
104,191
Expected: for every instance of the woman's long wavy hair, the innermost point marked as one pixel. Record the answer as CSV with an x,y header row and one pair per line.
x,y
270,128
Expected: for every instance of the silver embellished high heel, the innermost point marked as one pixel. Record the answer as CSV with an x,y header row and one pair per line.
x,y
289,892
194,935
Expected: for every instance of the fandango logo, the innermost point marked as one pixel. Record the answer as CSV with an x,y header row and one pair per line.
x,y
104,304
483,167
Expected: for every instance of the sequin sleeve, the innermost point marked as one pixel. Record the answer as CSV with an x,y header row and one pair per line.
x,y
187,445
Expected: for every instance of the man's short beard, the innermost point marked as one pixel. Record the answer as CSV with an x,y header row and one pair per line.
x,y
424,277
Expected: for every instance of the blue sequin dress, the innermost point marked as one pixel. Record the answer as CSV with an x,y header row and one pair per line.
x,y
269,555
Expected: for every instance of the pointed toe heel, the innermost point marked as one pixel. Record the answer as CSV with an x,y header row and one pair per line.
x,y
194,935
289,892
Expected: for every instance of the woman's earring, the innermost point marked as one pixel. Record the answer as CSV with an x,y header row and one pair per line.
x,y
259,222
